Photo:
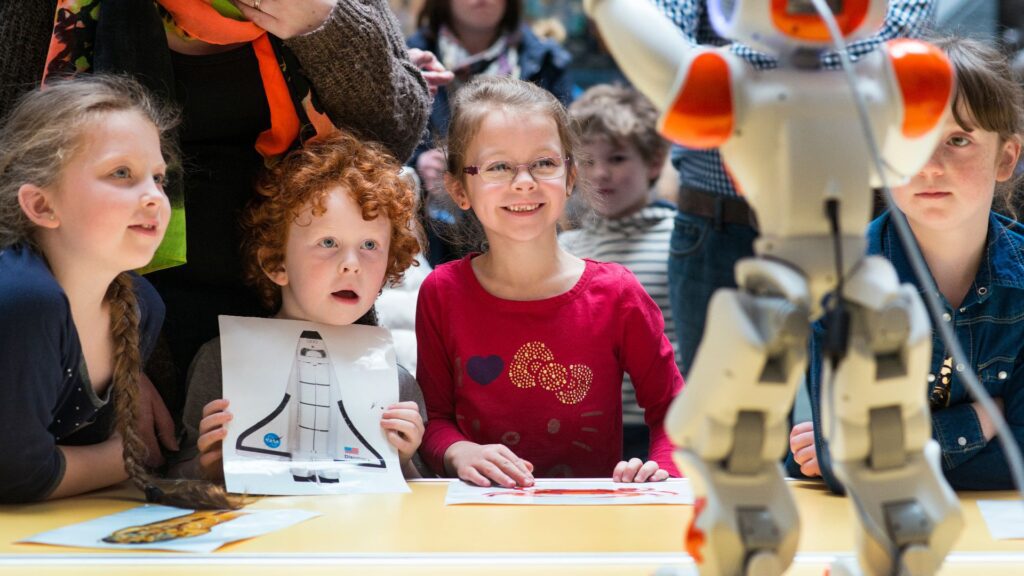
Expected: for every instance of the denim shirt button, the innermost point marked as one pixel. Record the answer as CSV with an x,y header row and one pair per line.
x,y
982,291
1001,375
961,441
931,378
946,317
959,367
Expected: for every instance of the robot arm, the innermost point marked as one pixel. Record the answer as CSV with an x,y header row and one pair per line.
x,y
692,84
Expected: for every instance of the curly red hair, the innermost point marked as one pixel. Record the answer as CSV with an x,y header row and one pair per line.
x,y
303,178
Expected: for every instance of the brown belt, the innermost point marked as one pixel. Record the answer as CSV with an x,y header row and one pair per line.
x,y
720,209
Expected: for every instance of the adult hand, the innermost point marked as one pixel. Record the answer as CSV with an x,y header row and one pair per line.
x,y
286,18
481,464
801,443
404,429
212,432
433,71
153,423
430,166
636,470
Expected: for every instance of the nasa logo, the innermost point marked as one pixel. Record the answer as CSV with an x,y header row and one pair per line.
x,y
272,440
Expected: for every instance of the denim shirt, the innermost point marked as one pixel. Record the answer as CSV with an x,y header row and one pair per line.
x,y
990,327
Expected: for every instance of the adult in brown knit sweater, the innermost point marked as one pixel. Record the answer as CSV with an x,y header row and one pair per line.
x,y
347,57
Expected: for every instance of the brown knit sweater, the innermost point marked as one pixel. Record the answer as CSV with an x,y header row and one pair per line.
x,y
357,63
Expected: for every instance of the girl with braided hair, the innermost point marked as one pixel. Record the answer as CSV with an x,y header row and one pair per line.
x,y
82,172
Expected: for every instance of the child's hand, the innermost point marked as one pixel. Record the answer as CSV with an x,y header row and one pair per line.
x,y
404,427
211,436
481,464
801,443
637,470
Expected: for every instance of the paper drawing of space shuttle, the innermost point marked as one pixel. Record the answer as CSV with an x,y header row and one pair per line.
x,y
311,424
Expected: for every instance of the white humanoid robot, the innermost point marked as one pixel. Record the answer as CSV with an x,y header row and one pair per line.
x,y
794,145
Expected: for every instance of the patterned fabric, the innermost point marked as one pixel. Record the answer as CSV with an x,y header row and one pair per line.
x,y
640,242
500,59
703,168
542,377
295,115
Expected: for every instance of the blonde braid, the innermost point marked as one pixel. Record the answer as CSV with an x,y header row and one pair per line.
x,y
124,330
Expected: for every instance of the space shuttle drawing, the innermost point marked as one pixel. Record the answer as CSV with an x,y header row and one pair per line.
x,y
310,425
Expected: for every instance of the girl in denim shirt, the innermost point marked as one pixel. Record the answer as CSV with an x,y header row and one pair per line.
x,y
977,260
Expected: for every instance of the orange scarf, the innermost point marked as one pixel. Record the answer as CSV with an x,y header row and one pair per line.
x,y
201,21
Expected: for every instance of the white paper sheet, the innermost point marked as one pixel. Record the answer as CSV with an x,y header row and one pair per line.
x,y
586,492
307,400
211,529
1004,518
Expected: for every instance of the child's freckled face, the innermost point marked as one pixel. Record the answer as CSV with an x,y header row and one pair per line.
x,y
334,264
957,183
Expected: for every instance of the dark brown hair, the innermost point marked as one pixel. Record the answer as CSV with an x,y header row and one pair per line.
x,y
303,178
436,13
986,96
622,116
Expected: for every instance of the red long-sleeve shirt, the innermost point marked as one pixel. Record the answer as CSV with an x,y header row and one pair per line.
x,y
542,377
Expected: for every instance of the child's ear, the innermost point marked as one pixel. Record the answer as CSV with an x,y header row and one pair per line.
x,y
278,275
456,191
35,203
1009,154
570,177
656,165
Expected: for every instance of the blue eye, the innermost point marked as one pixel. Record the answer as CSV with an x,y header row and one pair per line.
x,y
121,173
328,243
544,163
370,245
160,179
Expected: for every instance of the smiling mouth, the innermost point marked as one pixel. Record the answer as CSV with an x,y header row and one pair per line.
x,y
144,227
521,208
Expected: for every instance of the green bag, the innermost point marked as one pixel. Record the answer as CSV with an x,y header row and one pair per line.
x,y
171,251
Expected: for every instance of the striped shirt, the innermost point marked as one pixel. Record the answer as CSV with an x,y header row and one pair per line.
x,y
703,168
640,242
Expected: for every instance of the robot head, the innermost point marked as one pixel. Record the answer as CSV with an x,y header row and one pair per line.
x,y
781,26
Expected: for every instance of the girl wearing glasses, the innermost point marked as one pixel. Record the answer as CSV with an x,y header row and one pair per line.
x,y
522,346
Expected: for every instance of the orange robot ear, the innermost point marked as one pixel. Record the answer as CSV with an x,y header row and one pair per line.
x,y
925,77
701,115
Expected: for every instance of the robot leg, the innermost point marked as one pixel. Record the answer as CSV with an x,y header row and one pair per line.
x,y
731,422
875,418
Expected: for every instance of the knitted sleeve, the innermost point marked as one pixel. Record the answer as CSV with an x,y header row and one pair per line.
x,y
358,63
25,29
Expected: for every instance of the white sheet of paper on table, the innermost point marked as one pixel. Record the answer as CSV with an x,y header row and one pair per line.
x,y
578,492
306,401
243,524
1004,518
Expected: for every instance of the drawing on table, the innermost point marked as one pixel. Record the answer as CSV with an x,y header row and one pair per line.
x,y
185,526
620,492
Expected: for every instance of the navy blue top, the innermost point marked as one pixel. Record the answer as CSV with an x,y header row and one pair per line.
x,y
990,327
46,398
